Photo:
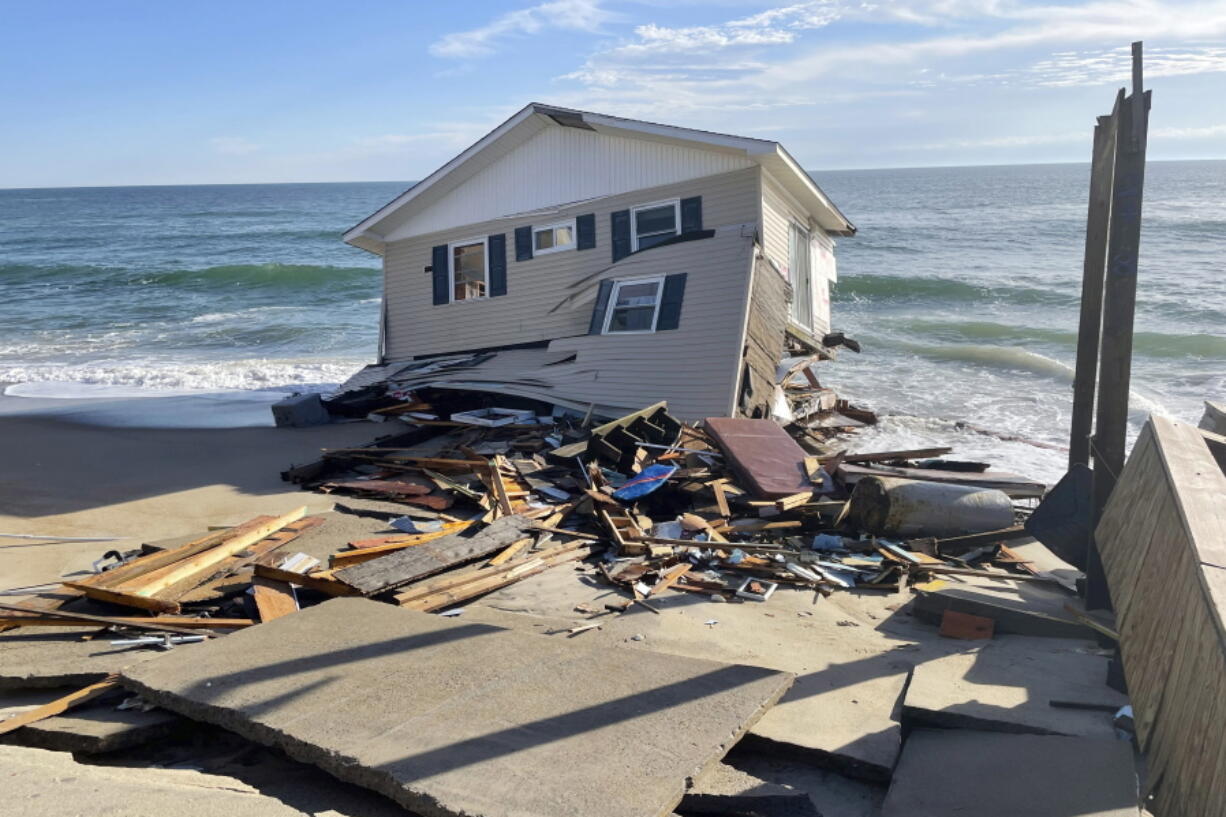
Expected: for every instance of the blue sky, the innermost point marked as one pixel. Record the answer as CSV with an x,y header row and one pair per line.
x,y
101,92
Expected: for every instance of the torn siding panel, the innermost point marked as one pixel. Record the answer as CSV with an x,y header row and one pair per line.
x,y
526,313
778,213
764,340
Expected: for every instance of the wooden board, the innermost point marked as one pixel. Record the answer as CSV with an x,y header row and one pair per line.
x,y
273,598
769,462
58,706
406,566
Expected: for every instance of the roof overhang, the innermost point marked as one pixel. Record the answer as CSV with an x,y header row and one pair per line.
x,y
370,234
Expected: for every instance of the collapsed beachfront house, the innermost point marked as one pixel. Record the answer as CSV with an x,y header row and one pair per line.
x,y
602,264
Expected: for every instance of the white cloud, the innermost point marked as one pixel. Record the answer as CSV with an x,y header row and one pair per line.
x,y
1114,66
1207,132
232,145
572,15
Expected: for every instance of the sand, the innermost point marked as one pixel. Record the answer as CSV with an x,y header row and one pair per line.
x,y
67,479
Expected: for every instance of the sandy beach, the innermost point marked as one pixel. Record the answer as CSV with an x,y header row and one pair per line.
x,y
66,479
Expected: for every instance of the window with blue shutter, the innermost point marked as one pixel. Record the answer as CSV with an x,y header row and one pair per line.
x,y
523,243
498,264
585,227
441,274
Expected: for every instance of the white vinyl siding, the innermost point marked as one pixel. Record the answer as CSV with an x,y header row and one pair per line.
x,y
779,213
533,308
581,164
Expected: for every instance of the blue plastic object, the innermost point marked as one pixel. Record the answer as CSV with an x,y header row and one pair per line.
x,y
643,483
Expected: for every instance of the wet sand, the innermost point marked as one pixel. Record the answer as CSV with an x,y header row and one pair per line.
x,y
65,479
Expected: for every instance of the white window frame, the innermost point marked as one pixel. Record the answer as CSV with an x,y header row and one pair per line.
x,y
634,212
484,241
574,237
658,280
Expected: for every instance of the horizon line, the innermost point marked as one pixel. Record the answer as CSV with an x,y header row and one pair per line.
x,y
402,181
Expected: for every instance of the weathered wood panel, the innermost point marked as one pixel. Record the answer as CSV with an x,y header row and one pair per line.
x,y
1163,544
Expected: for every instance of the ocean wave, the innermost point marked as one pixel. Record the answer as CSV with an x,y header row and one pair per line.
x,y
994,357
908,288
254,275
1152,344
253,374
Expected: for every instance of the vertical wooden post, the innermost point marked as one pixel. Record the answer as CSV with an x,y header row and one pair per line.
x,y
1119,306
1102,171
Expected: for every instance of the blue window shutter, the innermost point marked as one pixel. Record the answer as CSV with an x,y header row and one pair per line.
x,y
670,302
441,275
585,227
523,243
691,215
620,222
602,305
497,248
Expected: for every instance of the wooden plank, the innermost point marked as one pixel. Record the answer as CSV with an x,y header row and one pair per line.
x,y
147,564
512,549
407,566
59,705
505,575
312,581
348,558
273,598
721,498
183,622
207,560
669,579
890,456
457,578
1093,271
233,571
106,621
125,599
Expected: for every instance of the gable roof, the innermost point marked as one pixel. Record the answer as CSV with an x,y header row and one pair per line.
x,y
372,232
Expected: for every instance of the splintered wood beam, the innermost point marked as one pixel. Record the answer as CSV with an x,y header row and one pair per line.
x,y
59,705
669,579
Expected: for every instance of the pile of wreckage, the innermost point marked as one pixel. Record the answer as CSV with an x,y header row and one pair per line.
x,y
317,660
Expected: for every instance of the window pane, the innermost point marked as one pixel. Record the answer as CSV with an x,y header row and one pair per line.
x,y
632,319
544,239
563,236
468,263
646,241
637,294
655,220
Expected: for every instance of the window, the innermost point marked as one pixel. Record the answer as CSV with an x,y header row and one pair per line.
x,y
653,223
469,270
553,237
634,306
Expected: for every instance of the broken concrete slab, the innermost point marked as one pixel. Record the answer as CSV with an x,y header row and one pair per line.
x,y
1008,684
59,657
1012,776
1018,607
463,718
96,729
41,783
843,710
727,791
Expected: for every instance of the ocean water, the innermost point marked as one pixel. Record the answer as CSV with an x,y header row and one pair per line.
x,y
962,286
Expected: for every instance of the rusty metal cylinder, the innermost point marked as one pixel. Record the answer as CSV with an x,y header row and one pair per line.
x,y
905,508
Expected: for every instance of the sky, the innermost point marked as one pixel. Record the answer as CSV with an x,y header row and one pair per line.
x,y
127,92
